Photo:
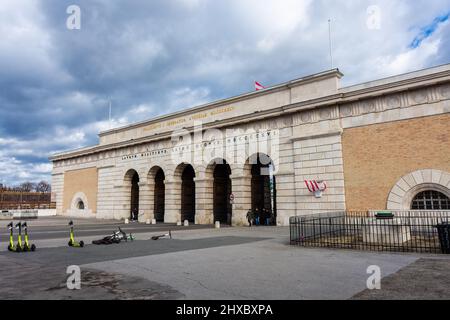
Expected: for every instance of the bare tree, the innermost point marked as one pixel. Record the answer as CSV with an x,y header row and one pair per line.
x,y
27,186
43,186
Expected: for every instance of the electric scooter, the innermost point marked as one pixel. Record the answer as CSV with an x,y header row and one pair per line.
x,y
19,245
162,236
72,242
123,236
27,246
12,246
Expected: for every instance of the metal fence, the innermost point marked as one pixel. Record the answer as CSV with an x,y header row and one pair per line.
x,y
404,231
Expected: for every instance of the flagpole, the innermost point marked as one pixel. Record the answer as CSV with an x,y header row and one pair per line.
x,y
110,126
329,42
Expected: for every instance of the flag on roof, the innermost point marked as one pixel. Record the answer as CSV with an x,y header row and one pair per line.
x,y
259,86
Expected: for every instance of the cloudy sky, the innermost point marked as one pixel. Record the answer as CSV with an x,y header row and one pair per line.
x,y
152,57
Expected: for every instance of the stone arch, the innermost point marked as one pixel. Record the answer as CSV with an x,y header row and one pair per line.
x,y
178,192
130,193
76,210
156,190
408,186
214,188
261,171
76,199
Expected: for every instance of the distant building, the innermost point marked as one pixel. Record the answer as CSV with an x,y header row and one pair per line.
x,y
13,200
383,144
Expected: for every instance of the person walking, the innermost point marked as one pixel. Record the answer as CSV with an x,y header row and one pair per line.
x,y
249,217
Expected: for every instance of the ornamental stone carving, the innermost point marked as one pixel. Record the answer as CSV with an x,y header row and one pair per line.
x,y
419,96
444,91
393,102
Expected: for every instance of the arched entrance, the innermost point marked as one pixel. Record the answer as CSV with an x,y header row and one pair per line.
x,y
159,195
134,205
221,193
188,194
263,189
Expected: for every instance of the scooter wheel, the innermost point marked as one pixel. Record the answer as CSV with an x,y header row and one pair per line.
x,y
18,249
82,243
10,248
33,247
70,244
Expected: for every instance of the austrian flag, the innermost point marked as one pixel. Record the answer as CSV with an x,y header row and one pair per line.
x,y
314,186
259,86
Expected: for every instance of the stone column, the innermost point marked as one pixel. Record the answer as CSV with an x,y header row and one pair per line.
x,y
172,212
204,201
145,208
122,202
241,189
285,197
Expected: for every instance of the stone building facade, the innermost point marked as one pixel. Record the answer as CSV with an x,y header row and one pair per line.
x,y
384,144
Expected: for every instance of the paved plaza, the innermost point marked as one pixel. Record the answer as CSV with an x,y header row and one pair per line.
x,y
207,263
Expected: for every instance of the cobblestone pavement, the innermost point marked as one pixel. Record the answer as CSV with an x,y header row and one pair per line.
x,y
424,279
228,263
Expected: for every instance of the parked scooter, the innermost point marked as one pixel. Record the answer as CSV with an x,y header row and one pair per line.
x,y
19,245
72,242
27,246
12,246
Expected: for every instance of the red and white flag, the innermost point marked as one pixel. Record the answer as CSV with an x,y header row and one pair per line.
x,y
259,86
314,186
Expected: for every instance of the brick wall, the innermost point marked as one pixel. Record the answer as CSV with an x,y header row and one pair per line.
x,y
376,156
82,180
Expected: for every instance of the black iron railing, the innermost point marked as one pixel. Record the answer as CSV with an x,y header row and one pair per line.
x,y
405,231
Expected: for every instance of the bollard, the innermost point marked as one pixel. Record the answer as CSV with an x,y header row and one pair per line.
x,y
178,223
148,221
153,221
127,221
217,225
186,223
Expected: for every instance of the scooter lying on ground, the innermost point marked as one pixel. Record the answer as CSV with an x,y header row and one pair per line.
x,y
162,236
116,237
12,246
26,245
72,242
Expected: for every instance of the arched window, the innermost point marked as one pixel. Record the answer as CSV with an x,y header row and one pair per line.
x,y
80,205
430,200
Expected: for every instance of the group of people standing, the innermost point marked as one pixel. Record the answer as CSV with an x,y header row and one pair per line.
x,y
259,217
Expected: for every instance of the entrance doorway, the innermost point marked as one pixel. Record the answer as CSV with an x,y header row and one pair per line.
x,y
159,195
188,194
263,189
134,196
221,193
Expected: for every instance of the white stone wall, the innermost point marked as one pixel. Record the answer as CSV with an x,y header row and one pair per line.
x,y
57,191
319,159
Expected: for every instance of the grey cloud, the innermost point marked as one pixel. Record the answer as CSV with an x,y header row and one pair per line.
x,y
152,57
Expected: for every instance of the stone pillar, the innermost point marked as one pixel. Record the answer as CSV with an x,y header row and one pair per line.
x,y
241,189
145,202
122,202
172,212
204,200
285,197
